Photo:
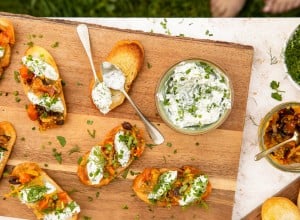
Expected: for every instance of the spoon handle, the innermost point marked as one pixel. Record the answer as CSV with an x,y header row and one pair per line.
x,y
83,34
154,133
270,150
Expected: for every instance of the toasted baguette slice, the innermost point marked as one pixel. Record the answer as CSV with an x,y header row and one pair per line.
x,y
48,199
7,140
279,208
151,181
7,40
42,86
128,55
110,156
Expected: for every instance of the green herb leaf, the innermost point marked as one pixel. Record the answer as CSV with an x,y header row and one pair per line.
x,y
56,44
125,173
57,155
169,144
89,122
125,206
97,194
274,85
74,149
277,96
61,140
92,134
17,76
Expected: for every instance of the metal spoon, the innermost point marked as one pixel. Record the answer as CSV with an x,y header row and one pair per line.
x,y
272,149
114,78
83,34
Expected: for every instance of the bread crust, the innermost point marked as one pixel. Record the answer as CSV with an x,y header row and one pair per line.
x,y
279,208
35,170
7,140
46,122
7,40
128,55
144,183
111,168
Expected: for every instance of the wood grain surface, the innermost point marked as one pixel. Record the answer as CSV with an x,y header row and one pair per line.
x,y
291,192
217,153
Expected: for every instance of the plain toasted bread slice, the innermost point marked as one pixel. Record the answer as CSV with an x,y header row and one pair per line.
x,y
7,140
128,55
34,170
7,39
46,122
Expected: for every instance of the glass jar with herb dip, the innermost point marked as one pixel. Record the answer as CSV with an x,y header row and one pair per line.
x,y
194,96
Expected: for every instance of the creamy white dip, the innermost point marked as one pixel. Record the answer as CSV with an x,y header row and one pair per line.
x,y
71,209
95,165
101,96
39,67
51,104
113,77
198,187
164,184
2,51
195,94
122,149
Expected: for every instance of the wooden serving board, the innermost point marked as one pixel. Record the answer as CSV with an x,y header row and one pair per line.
x,y
291,192
216,153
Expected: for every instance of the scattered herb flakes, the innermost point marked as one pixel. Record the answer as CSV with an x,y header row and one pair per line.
x,y
17,99
208,33
181,35
56,44
17,76
46,165
79,160
132,173
175,151
273,59
89,122
25,155
63,83
79,84
16,93
97,194
90,199
61,140
192,158
87,218
164,26
149,65
150,145
125,206
57,155
252,119
137,217
125,173
276,94
40,36
33,128
132,195
74,149
49,142
169,144
29,44
22,138
92,134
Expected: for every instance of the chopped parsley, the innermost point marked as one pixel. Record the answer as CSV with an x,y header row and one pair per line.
x,y
61,140
89,122
149,65
150,145
57,155
17,76
169,144
74,149
56,44
276,94
92,133
125,206
125,173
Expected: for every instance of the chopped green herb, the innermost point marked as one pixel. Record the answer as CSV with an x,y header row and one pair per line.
x,y
79,160
63,83
208,33
15,93
40,36
79,84
169,144
56,44
90,199
252,119
45,165
29,44
151,145
22,139
92,134
132,173
72,191
165,160
17,76
97,194
74,149
276,94
89,122
149,65
175,151
125,173
124,207
17,99
33,128
57,155
87,218
181,35
61,140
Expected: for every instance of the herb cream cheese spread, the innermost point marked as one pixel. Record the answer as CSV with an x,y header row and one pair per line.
x,y
2,52
195,94
95,165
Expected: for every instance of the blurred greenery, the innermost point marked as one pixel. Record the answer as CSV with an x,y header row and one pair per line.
x,y
127,8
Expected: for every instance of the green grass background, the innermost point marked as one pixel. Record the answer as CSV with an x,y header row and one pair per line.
x,y
127,8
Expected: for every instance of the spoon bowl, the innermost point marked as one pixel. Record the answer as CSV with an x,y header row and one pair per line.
x,y
114,78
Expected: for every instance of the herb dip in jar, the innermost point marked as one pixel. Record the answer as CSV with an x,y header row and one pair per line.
x,y
195,94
